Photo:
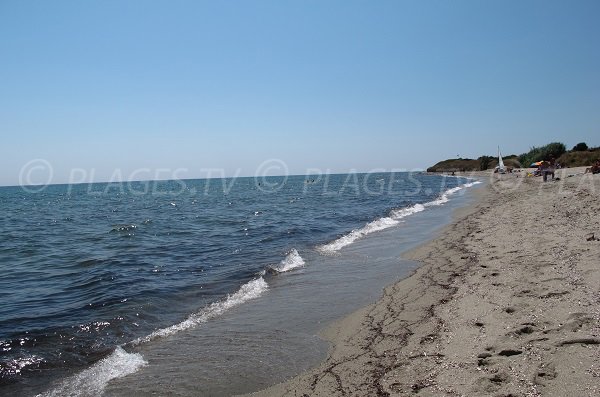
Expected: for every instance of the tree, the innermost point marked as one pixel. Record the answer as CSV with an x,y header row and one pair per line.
x,y
551,150
580,147
484,162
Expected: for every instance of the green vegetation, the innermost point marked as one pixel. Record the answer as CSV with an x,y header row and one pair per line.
x,y
551,151
579,156
580,147
455,165
509,161
484,162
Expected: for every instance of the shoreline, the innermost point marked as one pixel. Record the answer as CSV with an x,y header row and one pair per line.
x,y
494,309
288,342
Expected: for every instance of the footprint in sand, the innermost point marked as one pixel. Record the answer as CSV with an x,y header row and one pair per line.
x,y
577,321
493,383
509,352
545,373
524,329
483,359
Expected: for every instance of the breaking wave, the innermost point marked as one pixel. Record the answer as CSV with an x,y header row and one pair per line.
x,y
374,226
251,290
292,261
92,381
386,222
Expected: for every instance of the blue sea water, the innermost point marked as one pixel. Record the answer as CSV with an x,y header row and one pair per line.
x,y
90,272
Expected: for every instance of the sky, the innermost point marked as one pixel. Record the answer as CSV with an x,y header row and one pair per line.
x,y
104,90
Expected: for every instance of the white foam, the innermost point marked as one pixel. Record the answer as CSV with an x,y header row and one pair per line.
x,y
443,198
471,184
251,290
404,212
376,225
387,222
92,381
292,261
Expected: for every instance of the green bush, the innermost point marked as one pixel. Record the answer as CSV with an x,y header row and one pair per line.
x,y
581,155
579,158
551,150
580,147
484,162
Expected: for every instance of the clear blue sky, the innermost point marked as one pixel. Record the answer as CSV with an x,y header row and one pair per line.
x,y
336,85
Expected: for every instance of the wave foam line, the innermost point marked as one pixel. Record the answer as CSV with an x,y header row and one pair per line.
x,y
445,197
389,221
92,381
374,226
471,184
292,261
251,290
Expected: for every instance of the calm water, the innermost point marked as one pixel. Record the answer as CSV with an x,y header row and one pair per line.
x,y
104,276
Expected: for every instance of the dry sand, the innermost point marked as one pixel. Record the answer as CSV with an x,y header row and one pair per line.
x,y
507,303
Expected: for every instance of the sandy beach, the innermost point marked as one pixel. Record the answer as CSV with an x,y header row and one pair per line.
x,y
506,303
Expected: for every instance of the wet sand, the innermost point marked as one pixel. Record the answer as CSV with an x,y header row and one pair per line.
x,y
506,303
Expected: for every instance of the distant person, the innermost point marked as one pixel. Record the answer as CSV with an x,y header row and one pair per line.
x,y
547,168
594,169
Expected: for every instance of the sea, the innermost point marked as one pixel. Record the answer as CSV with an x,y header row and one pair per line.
x,y
211,287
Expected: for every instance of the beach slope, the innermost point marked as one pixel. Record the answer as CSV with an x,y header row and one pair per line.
x,y
506,303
